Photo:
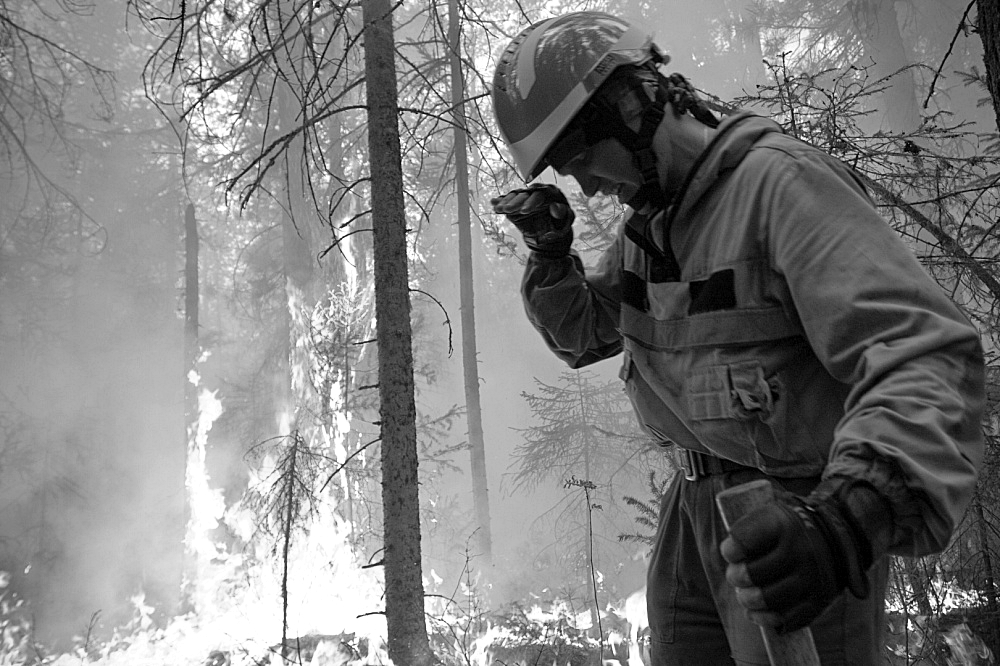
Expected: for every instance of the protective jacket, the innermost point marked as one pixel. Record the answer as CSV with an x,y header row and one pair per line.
x,y
771,317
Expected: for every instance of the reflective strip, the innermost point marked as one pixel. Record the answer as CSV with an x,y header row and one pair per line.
x,y
526,59
529,151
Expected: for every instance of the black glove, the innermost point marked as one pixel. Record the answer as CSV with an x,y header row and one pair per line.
x,y
790,559
543,216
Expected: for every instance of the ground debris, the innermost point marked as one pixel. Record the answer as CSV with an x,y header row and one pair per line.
x,y
322,649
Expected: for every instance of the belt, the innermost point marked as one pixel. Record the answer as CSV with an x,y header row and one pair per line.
x,y
698,465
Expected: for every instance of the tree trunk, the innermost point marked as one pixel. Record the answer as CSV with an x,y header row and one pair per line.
x,y
294,391
191,299
917,579
588,447
191,247
404,592
982,532
747,32
878,25
470,355
989,32
296,232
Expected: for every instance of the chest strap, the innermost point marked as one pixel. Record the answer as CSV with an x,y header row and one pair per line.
x,y
662,264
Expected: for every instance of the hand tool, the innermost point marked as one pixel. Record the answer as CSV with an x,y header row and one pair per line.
x,y
795,648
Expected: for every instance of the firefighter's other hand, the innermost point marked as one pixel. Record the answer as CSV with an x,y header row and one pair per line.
x,y
789,560
543,216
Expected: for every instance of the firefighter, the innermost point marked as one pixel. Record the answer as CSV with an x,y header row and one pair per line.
x,y
769,325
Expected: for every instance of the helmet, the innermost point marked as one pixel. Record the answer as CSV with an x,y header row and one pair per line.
x,y
550,70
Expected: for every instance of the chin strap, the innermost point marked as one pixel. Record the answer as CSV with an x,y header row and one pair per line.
x,y
640,142
650,194
681,95
654,91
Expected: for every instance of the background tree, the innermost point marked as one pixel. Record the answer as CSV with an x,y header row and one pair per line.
x,y
988,24
470,357
587,435
404,592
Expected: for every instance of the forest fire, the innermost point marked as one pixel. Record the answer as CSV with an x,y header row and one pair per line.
x,y
237,599
224,186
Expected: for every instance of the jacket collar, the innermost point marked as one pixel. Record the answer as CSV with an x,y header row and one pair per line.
x,y
734,138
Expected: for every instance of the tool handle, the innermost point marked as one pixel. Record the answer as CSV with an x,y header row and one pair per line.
x,y
795,648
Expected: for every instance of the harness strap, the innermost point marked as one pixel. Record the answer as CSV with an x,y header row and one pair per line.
x,y
663,265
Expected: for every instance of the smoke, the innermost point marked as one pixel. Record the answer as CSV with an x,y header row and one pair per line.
x,y
92,431
92,439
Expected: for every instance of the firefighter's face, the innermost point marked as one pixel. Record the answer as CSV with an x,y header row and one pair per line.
x,y
606,167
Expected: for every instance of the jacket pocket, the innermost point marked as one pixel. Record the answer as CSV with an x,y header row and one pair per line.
x,y
736,391
739,412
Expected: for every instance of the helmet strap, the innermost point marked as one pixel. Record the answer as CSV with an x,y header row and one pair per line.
x,y
641,144
609,121
676,91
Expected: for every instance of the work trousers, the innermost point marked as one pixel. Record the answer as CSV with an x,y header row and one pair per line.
x,y
694,617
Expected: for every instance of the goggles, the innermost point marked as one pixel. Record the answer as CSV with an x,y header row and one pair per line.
x,y
566,148
580,135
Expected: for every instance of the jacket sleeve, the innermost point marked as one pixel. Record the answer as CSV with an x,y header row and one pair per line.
x,y
880,324
576,314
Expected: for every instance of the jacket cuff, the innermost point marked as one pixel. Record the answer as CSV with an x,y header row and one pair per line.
x,y
859,521
900,506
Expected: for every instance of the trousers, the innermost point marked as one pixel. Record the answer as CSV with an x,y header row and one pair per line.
x,y
694,616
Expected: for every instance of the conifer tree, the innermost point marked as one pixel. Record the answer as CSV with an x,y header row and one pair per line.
x,y
586,438
404,592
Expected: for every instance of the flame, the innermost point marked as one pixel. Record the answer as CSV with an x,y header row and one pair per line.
x,y
235,601
237,604
206,504
915,634
966,648
235,598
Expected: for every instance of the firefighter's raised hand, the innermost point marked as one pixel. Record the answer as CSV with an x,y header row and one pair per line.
x,y
543,216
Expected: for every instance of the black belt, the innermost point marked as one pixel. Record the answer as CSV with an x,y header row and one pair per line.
x,y
698,465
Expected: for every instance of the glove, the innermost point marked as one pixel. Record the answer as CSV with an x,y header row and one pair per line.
x,y
543,216
790,559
